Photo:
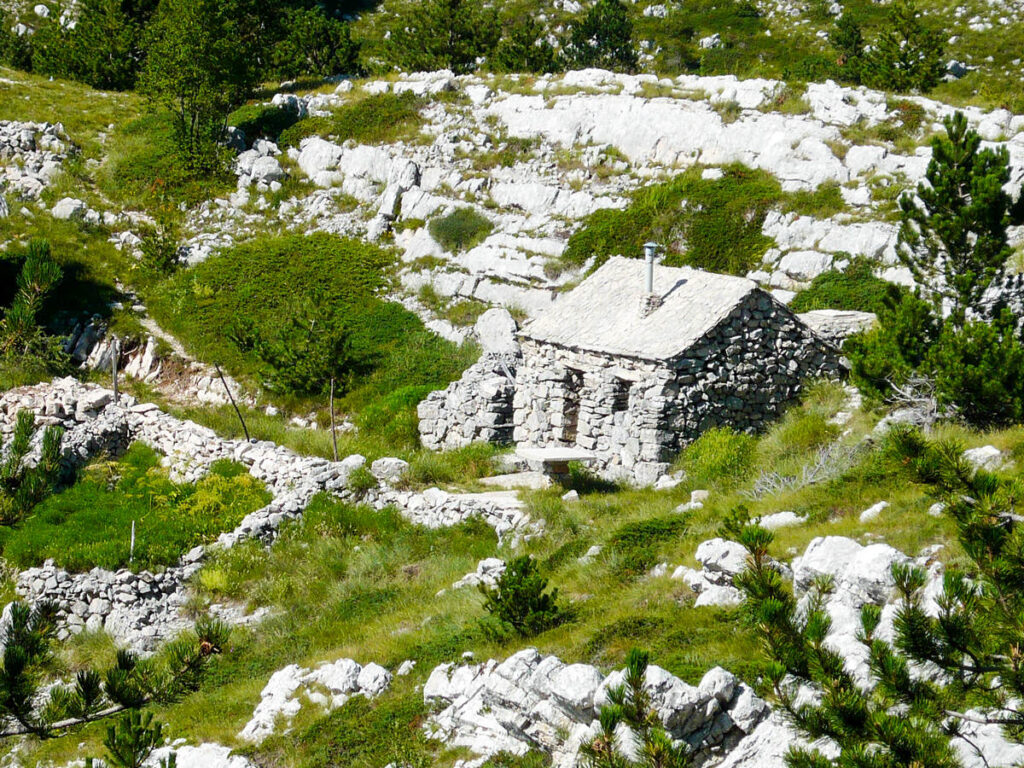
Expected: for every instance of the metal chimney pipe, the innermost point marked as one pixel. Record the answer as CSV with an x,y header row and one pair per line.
x,y
650,250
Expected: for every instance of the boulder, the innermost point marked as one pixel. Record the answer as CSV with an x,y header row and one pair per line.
x,y
389,470
68,208
495,330
987,457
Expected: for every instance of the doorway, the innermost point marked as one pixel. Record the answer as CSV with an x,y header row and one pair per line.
x,y
571,405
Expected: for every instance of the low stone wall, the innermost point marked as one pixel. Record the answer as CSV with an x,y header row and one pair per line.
x,y
142,609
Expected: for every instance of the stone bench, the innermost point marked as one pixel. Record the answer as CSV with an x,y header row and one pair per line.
x,y
554,460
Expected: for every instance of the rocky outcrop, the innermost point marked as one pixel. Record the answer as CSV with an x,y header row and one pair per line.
x,y
538,702
329,685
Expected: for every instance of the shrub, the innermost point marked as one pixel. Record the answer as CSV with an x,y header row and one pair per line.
x,y
889,353
523,48
717,229
441,34
262,121
906,56
520,601
293,135
315,44
22,486
386,117
460,230
603,38
720,455
634,546
854,288
979,369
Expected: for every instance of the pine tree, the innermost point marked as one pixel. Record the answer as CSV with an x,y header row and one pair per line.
x,y
604,38
520,599
132,740
954,241
20,332
23,485
523,48
971,645
907,55
129,684
630,706
442,34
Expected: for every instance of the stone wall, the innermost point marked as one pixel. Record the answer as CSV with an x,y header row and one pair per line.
x,y
143,609
637,414
477,407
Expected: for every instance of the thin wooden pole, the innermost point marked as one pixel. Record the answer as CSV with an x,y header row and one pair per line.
x,y
115,352
334,434
233,403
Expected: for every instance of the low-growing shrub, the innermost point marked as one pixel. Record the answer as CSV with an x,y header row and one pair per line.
x,y
520,599
265,121
90,523
460,230
633,548
854,288
712,224
386,117
720,455
293,135
361,480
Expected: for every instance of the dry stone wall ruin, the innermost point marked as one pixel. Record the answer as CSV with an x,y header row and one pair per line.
x,y
142,608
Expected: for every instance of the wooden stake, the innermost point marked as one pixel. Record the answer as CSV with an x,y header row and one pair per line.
x,y
334,434
233,403
115,352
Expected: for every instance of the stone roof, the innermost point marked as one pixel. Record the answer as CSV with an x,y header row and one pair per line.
x,y
604,312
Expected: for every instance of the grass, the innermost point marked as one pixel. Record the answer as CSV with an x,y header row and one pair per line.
x,y
222,308
383,118
90,523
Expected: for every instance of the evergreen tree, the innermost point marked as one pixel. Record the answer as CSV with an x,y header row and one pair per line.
x,y
22,486
130,683
315,44
971,645
442,34
847,39
523,48
954,241
132,740
604,38
519,598
630,706
105,49
907,55
201,62
21,334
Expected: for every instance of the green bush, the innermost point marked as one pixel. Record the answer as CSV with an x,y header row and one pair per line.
x,y
90,523
854,288
634,547
720,455
293,135
602,38
315,44
384,118
523,48
460,230
891,352
717,229
979,370
519,599
240,308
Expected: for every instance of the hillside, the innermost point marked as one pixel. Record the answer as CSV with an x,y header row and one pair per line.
x,y
291,404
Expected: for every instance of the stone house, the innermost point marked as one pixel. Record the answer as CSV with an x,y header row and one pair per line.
x,y
633,374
